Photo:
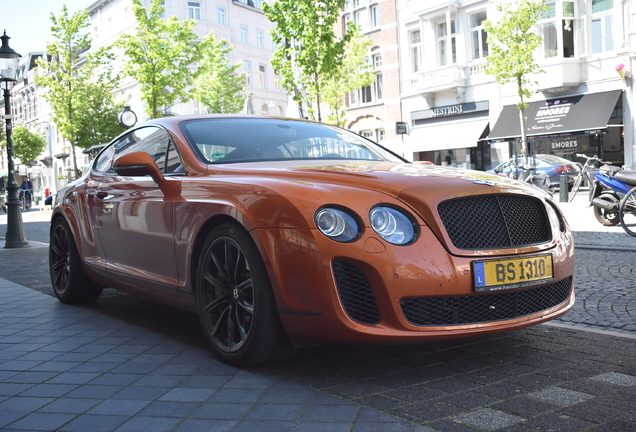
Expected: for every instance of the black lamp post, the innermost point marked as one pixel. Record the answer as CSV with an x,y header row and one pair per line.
x,y
16,237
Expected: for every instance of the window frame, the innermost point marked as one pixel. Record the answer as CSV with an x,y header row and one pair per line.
x,y
194,10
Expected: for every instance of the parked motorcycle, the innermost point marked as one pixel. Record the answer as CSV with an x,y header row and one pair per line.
x,y
609,184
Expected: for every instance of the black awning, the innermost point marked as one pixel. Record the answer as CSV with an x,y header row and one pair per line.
x,y
559,116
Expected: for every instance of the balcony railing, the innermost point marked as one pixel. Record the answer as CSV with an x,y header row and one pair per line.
x,y
445,78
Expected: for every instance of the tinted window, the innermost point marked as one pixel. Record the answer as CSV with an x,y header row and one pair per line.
x,y
152,140
245,140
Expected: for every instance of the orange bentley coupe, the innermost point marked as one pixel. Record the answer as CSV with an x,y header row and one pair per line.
x,y
281,233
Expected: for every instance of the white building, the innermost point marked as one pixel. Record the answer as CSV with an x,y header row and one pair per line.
x,y
241,23
461,116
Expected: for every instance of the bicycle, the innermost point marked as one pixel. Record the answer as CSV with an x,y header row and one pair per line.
x,y
585,173
627,212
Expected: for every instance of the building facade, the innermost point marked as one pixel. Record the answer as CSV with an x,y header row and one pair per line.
x,y
460,116
375,110
241,23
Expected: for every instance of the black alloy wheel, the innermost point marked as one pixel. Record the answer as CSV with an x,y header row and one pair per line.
x,y
70,282
236,304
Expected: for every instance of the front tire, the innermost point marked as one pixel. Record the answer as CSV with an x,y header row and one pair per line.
x,y
236,304
70,282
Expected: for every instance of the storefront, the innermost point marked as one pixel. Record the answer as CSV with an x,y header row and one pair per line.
x,y
591,124
452,135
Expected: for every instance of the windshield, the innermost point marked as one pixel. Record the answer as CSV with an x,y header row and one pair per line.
x,y
232,140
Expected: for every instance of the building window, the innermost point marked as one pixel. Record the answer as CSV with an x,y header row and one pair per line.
x,y
556,25
368,94
377,60
194,10
478,35
415,48
375,16
259,38
243,30
380,135
446,42
367,134
262,76
602,20
247,70
220,15
361,18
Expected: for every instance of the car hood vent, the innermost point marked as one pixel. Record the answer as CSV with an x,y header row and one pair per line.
x,y
495,221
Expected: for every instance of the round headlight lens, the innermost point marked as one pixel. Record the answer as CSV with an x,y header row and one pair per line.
x,y
392,225
337,224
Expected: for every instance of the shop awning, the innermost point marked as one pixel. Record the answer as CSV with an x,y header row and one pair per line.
x,y
447,135
560,116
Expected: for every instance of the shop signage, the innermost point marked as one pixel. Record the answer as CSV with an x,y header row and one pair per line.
x,y
401,128
564,145
447,110
476,108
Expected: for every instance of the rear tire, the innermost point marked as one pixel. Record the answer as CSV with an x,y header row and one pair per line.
x,y
70,282
627,212
606,217
237,308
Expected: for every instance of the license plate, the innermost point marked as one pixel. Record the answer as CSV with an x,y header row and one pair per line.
x,y
500,274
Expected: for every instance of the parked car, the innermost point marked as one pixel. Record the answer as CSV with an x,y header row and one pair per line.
x,y
553,166
282,232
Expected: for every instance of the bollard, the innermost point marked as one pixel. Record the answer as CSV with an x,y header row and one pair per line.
x,y
563,188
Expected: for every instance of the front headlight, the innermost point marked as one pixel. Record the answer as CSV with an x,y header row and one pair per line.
x,y
393,225
337,224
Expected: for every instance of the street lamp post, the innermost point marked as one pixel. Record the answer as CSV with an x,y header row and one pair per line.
x,y
16,237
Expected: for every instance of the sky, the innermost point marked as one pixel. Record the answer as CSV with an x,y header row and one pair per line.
x,y
28,22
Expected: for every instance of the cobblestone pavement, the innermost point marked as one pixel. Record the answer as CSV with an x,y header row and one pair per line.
x,y
127,365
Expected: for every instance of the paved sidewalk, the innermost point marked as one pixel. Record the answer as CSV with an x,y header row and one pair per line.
x,y
124,364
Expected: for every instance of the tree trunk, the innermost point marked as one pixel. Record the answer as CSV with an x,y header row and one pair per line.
x,y
522,121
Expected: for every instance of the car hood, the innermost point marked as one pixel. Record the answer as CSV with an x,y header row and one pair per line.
x,y
401,180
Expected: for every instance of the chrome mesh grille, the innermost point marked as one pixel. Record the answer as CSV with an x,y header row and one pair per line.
x,y
495,221
472,309
355,293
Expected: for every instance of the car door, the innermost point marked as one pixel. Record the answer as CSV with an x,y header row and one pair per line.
x,y
134,219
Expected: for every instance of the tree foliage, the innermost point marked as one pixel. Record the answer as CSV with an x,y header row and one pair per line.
x,y
354,74
217,86
159,55
309,52
72,77
512,42
27,145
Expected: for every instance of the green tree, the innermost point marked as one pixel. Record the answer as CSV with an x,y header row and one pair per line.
x,y
217,86
97,123
159,55
512,43
73,76
354,74
27,145
309,53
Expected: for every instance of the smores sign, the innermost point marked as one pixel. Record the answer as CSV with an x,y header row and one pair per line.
x,y
552,115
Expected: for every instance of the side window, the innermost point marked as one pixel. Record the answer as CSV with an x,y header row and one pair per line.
x,y
173,161
104,162
152,140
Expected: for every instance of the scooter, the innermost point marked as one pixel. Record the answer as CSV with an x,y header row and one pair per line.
x,y
608,186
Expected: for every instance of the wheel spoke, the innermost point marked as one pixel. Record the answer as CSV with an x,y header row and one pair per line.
x,y
216,282
209,308
217,323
